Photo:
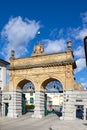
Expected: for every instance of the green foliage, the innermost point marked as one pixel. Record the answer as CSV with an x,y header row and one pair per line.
x,y
30,106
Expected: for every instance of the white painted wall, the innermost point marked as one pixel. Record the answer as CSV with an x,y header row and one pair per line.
x,y
28,96
2,77
56,98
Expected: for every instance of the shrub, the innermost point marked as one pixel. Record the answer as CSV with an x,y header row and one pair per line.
x,y
30,106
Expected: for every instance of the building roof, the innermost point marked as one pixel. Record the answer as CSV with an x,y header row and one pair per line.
x,y
4,62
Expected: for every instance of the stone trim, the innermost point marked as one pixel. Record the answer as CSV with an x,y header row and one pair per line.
x,y
70,62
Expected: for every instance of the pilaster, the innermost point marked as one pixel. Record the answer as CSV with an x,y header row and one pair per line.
x,y
39,104
69,107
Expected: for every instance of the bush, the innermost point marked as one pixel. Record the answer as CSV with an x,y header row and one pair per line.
x,y
30,106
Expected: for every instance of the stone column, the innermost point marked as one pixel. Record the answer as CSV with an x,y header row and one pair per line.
x,y
5,99
15,105
3,109
69,107
39,104
14,100
84,114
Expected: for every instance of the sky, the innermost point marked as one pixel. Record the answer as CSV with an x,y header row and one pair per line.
x,y
58,22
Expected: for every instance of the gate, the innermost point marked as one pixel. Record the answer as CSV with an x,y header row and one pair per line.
x,y
48,106
45,104
6,109
23,104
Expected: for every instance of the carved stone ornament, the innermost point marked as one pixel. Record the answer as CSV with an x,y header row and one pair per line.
x,y
68,73
7,97
38,50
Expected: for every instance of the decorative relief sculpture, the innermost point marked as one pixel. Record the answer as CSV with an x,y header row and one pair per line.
x,y
38,50
68,72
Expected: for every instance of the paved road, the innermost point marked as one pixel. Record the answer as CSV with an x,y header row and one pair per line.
x,y
47,123
27,123
70,125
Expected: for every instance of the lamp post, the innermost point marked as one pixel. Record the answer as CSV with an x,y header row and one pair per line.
x,y
85,47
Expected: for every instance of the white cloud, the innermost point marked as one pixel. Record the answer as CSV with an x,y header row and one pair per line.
x,y
80,64
84,84
81,33
61,31
79,52
77,33
54,32
84,17
53,46
17,34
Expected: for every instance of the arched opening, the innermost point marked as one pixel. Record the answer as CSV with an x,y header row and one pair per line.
x,y
53,96
28,95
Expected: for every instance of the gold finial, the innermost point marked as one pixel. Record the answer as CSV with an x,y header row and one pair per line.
x,y
38,33
38,49
38,37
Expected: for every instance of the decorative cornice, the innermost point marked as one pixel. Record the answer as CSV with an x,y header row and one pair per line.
x,y
44,65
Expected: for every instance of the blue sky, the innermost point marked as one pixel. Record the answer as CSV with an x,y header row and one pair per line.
x,y
57,20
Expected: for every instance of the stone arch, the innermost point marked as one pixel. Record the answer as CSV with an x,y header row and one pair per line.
x,y
25,95
21,83
49,79
51,93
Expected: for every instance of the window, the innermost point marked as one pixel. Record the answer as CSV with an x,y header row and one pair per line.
x,y
31,93
50,102
31,100
78,100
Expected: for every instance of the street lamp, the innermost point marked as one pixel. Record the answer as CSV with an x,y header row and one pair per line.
x,y
85,47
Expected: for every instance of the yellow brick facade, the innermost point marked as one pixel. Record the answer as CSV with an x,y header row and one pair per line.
x,y
40,69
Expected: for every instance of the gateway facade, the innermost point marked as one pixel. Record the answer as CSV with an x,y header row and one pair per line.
x,y
40,69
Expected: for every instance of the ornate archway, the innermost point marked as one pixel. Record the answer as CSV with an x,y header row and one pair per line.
x,y
27,90
53,99
48,80
38,68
